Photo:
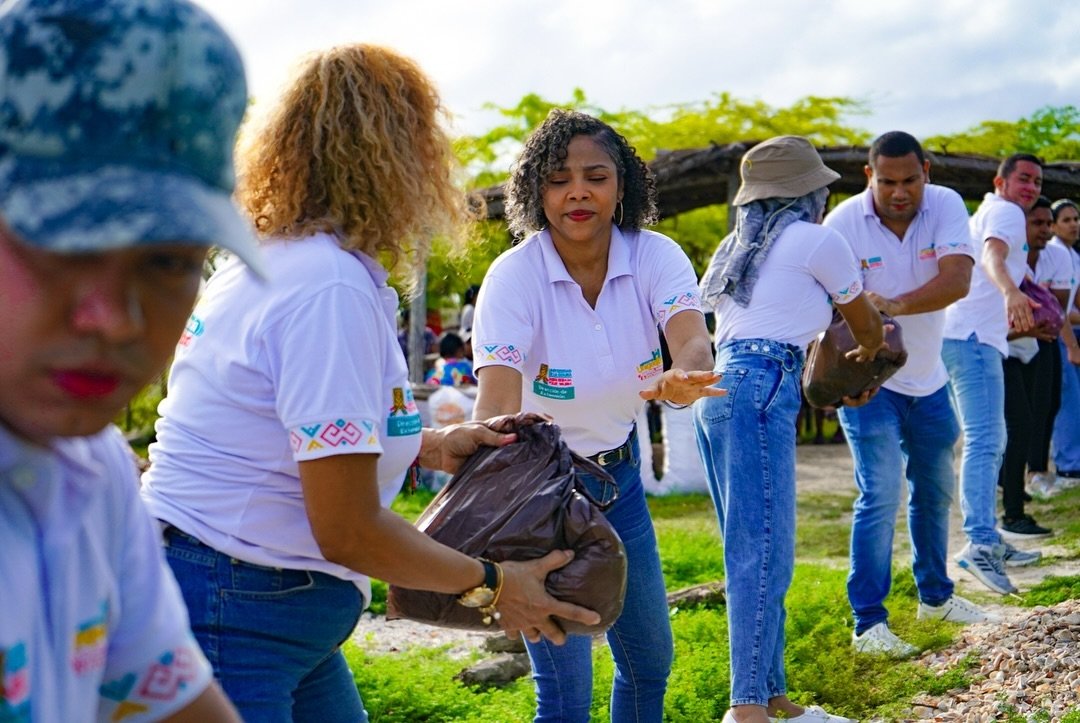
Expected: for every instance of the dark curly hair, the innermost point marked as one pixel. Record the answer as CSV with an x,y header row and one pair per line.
x,y
545,152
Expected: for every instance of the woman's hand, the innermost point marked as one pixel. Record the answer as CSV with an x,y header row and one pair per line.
x,y
525,606
866,354
679,387
447,448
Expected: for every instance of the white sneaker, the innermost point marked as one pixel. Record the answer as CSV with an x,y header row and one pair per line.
x,y
813,714
879,640
957,610
1043,485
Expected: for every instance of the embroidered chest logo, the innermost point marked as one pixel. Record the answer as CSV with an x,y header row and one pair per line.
x,y
652,367
14,684
554,383
927,253
404,416
874,262
91,642
194,328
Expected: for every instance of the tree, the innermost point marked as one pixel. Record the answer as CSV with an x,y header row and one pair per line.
x,y
1052,132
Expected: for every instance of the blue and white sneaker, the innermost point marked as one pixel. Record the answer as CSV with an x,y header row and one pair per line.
x,y
1020,558
987,564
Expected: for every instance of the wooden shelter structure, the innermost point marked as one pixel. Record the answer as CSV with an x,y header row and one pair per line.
x,y
697,177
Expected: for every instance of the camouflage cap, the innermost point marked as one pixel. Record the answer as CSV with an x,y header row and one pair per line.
x,y
117,124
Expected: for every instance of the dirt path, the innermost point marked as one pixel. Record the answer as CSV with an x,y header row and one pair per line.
x,y
827,468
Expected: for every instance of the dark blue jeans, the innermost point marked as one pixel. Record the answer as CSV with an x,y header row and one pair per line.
x,y
640,640
273,636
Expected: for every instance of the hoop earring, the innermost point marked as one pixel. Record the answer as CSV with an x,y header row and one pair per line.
x,y
619,222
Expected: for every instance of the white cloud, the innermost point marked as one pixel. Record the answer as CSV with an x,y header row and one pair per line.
x,y
927,66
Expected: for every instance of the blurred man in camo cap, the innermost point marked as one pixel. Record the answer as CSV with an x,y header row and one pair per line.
x,y
117,121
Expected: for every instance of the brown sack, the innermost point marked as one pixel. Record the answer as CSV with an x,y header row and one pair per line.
x,y
520,502
829,375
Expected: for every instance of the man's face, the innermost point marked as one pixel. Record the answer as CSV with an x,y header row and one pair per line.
x,y
1039,227
897,186
1022,186
80,334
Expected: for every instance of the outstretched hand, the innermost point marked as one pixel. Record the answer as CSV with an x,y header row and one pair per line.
x,y
526,607
680,387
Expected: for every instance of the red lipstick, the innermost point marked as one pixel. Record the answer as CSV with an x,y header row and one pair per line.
x,y
86,384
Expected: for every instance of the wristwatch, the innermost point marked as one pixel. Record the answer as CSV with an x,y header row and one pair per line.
x,y
485,596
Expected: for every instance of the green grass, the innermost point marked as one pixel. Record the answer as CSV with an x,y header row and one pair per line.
x,y
419,685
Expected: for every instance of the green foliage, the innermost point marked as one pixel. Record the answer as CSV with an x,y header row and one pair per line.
x,y
138,417
1052,132
1053,589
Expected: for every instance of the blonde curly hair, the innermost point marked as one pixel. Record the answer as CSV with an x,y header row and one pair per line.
x,y
354,147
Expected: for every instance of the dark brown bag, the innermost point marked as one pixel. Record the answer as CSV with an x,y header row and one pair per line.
x,y
520,502
829,375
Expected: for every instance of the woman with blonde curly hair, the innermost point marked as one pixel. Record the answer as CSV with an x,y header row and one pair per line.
x,y
290,423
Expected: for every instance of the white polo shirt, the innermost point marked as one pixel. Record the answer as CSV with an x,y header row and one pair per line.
x,y
93,625
1069,262
982,312
891,266
271,374
583,366
806,267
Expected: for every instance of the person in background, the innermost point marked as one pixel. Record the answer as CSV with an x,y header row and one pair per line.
x,y
1029,404
117,122
452,367
976,328
915,255
772,283
468,310
1066,433
290,423
566,324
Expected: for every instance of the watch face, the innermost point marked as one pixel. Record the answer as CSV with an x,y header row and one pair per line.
x,y
478,597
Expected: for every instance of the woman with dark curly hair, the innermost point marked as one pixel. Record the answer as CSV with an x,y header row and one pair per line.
x,y
290,423
566,324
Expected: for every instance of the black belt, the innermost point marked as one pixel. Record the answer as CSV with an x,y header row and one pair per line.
x,y
614,456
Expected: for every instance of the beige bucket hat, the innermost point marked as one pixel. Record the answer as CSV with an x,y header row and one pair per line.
x,y
782,167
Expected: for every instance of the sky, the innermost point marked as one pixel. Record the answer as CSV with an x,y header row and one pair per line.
x,y
925,66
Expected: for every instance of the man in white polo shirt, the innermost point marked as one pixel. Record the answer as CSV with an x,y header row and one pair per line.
x,y
975,344
117,121
911,239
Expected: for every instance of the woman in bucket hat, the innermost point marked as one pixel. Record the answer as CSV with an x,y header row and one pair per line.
x,y
770,283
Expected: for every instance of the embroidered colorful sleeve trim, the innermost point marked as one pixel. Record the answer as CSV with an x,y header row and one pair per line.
x,y
311,441
505,354
679,302
954,247
176,676
848,294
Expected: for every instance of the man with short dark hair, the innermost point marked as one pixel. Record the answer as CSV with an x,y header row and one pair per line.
x,y
117,121
976,330
912,241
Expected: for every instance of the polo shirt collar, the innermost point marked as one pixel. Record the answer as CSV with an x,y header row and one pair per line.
x,y
618,257
869,210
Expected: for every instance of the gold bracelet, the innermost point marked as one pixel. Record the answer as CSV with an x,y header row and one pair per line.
x,y
489,612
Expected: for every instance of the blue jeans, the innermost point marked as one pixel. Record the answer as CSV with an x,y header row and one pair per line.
x,y
977,387
891,437
747,442
1067,423
640,640
273,636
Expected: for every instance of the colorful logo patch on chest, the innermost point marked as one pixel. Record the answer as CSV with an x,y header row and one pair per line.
x,y
404,418
652,367
874,262
91,643
14,684
927,253
194,328
554,383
